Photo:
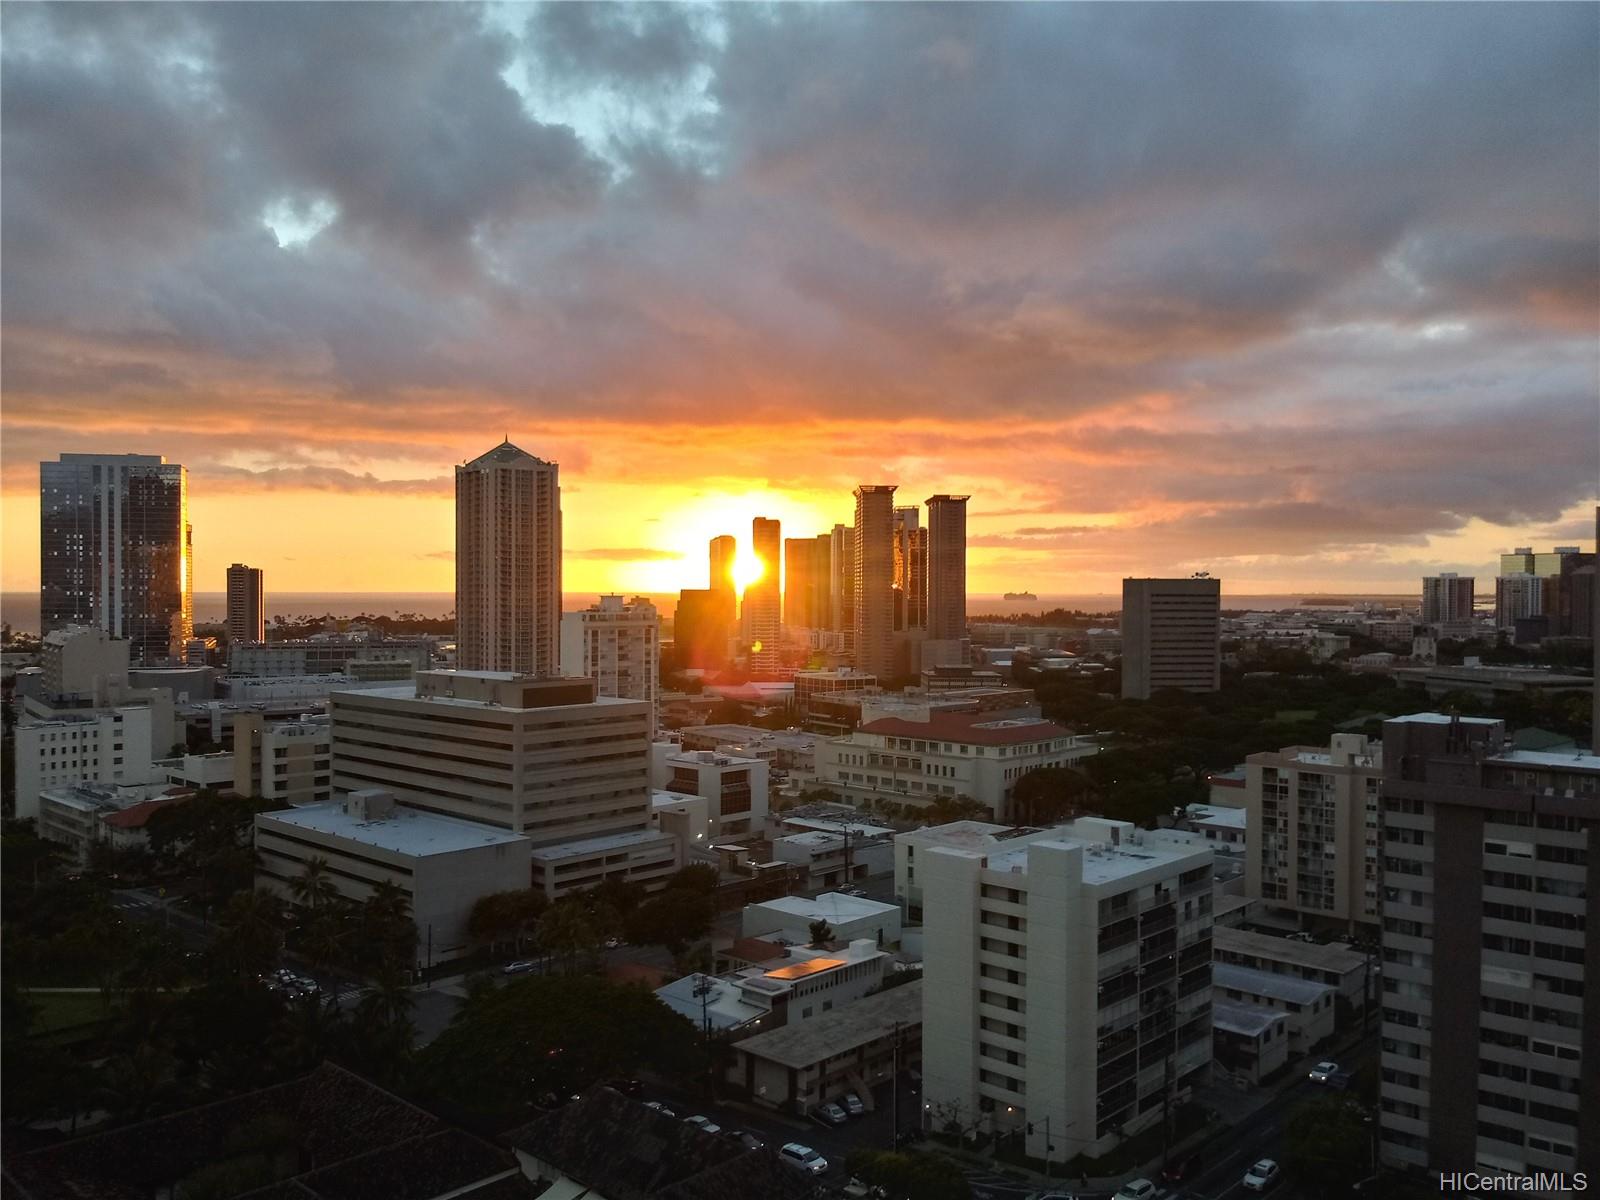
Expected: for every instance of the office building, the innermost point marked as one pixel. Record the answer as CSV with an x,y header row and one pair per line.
x,y
116,550
805,583
1316,830
736,787
81,661
1066,983
910,569
545,758
647,857
616,643
873,561
842,587
247,613
360,657
762,608
508,563
284,762
700,630
1447,598
1491,1017
791,918
1517,597
797,984
944,755
443,865
1171,636
723,553
103,745
947,568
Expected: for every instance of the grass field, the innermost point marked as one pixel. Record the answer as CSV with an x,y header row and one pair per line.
x,y
56,1012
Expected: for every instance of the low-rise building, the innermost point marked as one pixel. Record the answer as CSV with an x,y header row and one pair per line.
x,y
851,1049
286,762
979,757
1309,1006
736,787
1249,1042
839,680
1225,828
834,859
103,745
803,983
786,751
80,816
1345,970
685,817
849,917
443,864
1487,682
643,856
325,654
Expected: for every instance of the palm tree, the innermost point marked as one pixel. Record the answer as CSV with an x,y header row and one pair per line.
x,y
250,934
312,888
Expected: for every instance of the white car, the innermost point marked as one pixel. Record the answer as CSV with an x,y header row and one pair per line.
x,y
1323,1072
1261,1176
705,1124
804,1158
1136,1189
660,1108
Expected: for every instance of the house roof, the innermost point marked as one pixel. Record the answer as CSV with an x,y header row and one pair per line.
x,y
978,729
135,815
838,1032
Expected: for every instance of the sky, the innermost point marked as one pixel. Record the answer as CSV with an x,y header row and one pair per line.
x,y
1304,295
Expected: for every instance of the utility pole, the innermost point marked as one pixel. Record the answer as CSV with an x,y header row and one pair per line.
x,y
894,1128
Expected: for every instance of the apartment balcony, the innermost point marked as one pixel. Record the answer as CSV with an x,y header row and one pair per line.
x,y
1158,920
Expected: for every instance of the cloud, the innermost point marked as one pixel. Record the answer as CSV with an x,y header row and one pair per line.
x,y
625,554
314,479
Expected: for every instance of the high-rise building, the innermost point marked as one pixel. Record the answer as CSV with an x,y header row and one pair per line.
x,y
1066,979
822,581
116,550
1315,831
617,644
1518,562
1171,636
724,551
763,609
1447,597
247,617
799,583
1491,1015
1516,597
700,630
910,569
842,585
947,568
874,580
508,563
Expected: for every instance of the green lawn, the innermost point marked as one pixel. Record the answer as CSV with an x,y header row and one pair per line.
x,y
58,1011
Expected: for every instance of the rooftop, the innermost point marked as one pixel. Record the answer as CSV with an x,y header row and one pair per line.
x,y
1572,760
979,729
1222,818
1250,1020
1265,983
408,831
840,1031
1339,959
822,825
964,834
832,907
1432,718
1138,851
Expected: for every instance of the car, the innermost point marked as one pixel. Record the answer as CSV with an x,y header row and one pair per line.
x,y
1052,1196
613,943
1340,1081
852,1104
748,1141
852,891
659,1107
628,1087
520,967
704,1124
1182,1169
803,1158
1323,1071
830,1114
859,1189
1136,1189
1306,938
1261,1176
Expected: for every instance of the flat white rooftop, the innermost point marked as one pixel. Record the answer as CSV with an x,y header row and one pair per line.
x,y
589,847
409,832
1102,862
1265,983
815,839
1229,818
1444,719
409,692
832,907
854,829
1249,1020
1576,760
661,798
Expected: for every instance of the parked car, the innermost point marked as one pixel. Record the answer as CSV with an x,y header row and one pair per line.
x,y
1323,1071
858,1189
520,967
1306,938
1261,1176
830,1114
803,1158
1182,1169
660,1108
1136,1189
745,1139
628,1087
1052,1196
706,1124
852,1104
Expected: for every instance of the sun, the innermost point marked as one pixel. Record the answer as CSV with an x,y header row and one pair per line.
x,y
747,569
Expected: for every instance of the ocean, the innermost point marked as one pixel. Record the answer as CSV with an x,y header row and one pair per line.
x,y
21,609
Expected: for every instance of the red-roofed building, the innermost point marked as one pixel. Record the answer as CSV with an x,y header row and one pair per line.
x,y
976,755
78,816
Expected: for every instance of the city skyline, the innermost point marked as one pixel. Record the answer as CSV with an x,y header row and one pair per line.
x,y
1308,323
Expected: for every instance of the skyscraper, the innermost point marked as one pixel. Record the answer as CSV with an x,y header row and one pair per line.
x,y
799,591
1447,597
842,586
874,577
247,618
508,563
1171,636
724,549
947,567
761,599
116,550
910,569
617,644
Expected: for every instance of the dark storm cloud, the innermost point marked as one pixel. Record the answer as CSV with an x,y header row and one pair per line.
x,y
1291,266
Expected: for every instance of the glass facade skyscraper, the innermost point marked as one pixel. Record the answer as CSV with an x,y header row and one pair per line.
x,y
116,550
